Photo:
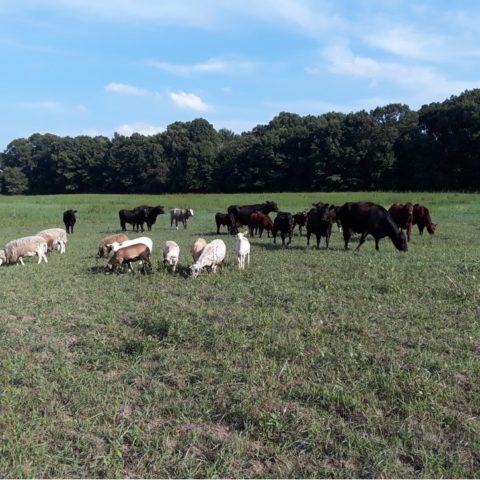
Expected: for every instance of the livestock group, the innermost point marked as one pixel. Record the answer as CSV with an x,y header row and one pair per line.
x,y
364,218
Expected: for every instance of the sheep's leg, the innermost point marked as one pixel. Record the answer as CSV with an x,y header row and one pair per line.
x,y
20,259
248,258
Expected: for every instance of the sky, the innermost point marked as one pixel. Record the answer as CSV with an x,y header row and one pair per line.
x,y
82,67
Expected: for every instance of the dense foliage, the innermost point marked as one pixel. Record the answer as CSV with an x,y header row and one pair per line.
x,y
390,147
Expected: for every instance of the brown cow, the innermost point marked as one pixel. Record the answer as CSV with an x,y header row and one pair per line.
x,y
402,214
300,219
261,221
421,217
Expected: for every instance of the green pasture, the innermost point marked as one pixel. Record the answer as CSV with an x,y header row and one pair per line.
x,y
308,364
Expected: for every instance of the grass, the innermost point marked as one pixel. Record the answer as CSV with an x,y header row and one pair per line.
x,y
308,364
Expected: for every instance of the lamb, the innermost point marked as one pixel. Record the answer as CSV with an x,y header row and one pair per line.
x,y
197,248
212,255
115,246
129,254
171,253
15,250
60,237
103,247
242,247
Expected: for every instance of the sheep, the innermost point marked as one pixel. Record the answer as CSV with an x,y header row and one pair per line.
x,y
212,255
60,238
242,247
103,247
197,248
131,253
171,253
15,250
114,246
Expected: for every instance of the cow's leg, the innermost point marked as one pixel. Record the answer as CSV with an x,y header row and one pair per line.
x,y
362,240
308,237
409,231
346,237
319,239
421,226
289,237
376,244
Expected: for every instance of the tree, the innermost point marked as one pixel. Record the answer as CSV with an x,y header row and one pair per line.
x,y
14,181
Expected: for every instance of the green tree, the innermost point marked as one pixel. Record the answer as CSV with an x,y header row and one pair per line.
x,y
13,181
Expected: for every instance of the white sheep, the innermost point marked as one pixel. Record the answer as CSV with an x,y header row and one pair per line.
x,y
171,253
242,247
212,255
197,248
59,237
113,247
15,250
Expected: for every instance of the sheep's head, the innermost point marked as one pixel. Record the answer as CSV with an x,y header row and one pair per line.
x,y
3,257
195,270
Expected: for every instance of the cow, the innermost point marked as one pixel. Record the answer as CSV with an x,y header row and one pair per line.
x,y
223,219
69,220
283,223
240,214
421,218
151,214
333,212
180,215
136,217
319,223
261,221
402,214
300,219
369,218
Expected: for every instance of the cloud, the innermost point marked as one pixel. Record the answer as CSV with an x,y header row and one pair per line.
x,y
213,65
125,89
45,105
142,128
190,101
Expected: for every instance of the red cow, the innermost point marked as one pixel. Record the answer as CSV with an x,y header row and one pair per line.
x,y
421,217
300,219
261,221
402,214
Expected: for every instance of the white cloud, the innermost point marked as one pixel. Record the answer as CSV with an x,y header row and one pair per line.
x,y
125,89
189,101
142,128
213,65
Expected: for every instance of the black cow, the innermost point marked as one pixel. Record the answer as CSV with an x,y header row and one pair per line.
x,y
319,223
151,214
240,214
69,220
223,219
136,217
370,219
283,223
333,211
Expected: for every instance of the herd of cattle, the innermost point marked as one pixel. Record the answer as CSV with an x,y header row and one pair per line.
x,y
365,218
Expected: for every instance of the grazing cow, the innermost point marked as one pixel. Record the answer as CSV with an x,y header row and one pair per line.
x,y
300,219
319,222
261,221
223,219
180,215
283,223
402,214
151,214
370,219
136,217
212,256
421,217
242,247
197,248
69,220
171,253
240,214
127,255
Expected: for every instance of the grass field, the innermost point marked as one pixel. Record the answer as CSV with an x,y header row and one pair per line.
x,y
308,364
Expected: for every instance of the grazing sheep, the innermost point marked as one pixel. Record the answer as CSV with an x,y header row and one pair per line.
x,y
60,238
103,247
197,248
212,255
113,247
15,250
242,247
171,253
132,253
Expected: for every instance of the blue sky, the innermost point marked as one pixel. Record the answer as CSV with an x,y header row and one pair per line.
x,y
73,67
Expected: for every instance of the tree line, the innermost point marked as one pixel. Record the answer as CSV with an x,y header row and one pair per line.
x,y
389,148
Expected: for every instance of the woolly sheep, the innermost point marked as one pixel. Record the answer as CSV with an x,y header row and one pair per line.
x,y
15,250
60,237
212,255
197,248
103,247
171,253
113,247
242,247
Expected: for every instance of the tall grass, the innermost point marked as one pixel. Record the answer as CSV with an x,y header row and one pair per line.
x,y
308,364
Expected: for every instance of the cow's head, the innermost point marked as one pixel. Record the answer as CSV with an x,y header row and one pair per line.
x,y
431,227
400,241
159,209
273,206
